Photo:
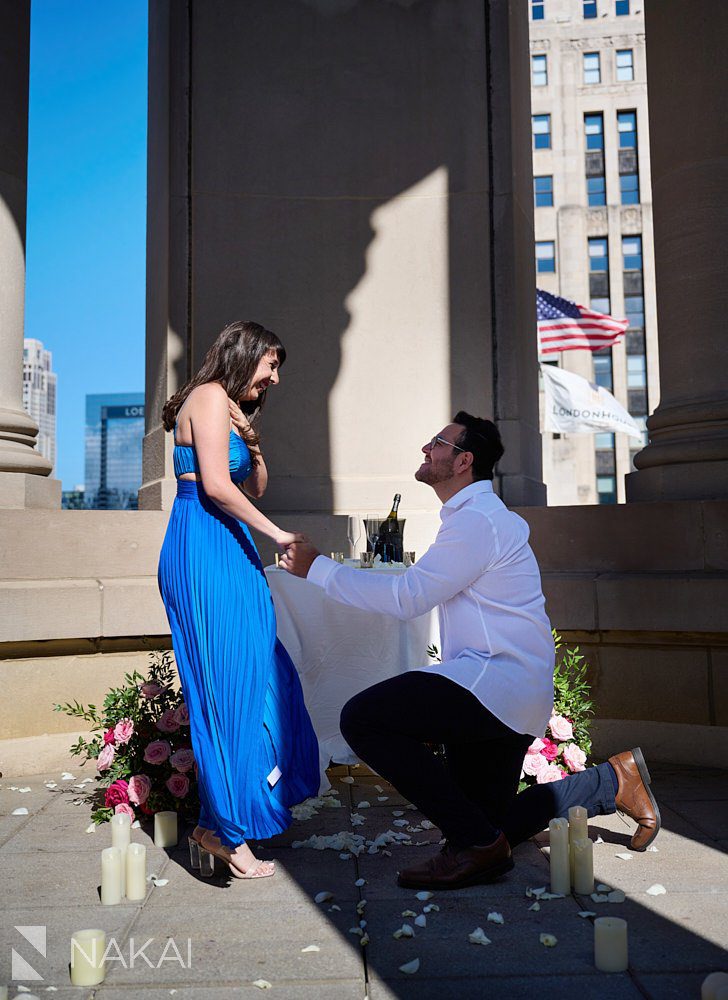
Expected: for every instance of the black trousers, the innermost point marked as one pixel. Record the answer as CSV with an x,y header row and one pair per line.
x,y
471,795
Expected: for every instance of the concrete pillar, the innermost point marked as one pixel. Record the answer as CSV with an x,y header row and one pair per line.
x,y
687,81
22,468
356,177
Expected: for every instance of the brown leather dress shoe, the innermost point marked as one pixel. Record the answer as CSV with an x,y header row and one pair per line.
x,y
635,798
456,868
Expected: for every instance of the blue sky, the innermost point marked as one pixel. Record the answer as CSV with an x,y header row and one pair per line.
x,y
85,278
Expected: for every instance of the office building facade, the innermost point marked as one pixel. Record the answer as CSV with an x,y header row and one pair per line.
x,y
593,218
114,434
40,385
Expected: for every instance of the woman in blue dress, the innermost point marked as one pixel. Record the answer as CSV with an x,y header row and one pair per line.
x,y
253,741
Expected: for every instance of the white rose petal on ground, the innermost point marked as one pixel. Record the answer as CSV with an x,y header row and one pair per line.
x,y
356,819
334,909
310,947
406,931
409,968
603,888
652,849
421,921
348,780
656,890
136,825
262,984
361,906
535,906
323,897
360,882
552,895
356,930
91,828
345,857
624,856
363,804
408,913
424,895
22,811
616,896
364,940
398,812
548,940
600,897
496,918
378,788
67,776
427,825
599,840
160,882
478,937
400,822
382,798
410,806
431,908
23,790
586,913
51,784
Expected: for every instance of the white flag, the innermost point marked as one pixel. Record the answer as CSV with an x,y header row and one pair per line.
x,y
574,406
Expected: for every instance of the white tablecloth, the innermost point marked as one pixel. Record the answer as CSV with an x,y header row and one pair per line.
x,y
338,651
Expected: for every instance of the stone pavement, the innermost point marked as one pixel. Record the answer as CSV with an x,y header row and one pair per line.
x,y
240,932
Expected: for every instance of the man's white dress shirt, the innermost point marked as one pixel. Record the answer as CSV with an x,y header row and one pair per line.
x,y
481,573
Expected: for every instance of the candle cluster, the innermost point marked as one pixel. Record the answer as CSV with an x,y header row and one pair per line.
x,y
572,867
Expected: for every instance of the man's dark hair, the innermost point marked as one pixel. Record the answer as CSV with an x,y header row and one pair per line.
x,y
481,438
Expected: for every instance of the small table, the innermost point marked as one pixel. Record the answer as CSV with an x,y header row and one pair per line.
x,y
339,650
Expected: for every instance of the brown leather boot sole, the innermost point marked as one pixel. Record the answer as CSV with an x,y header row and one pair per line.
x,y
492,874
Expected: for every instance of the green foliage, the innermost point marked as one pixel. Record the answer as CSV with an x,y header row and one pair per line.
x,y
572,695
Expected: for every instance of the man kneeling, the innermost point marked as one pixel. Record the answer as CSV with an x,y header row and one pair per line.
x,y
493,691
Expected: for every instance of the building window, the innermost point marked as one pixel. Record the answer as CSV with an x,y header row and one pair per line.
x,y
537,10
629,188
594,131
545,257
539,71
596,190
543,191
592,68
627,128
625,64
602,361
598,254
607,489
632,253
603,441
541,125
589,8
621,7
634,307
636,371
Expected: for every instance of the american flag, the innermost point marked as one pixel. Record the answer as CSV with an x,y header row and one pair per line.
x,y
565,326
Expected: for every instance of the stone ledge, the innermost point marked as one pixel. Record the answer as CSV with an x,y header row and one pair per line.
x,y
663,742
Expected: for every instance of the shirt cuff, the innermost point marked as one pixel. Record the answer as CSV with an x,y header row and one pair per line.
x,y
321,569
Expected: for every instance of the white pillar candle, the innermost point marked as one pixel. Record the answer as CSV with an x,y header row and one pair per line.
x,y
136,871
578,830
165,829
3,993
583,851
713,985
120,837
610,944
559,856
111,891
88,967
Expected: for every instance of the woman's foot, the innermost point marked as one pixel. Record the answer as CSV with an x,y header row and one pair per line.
x,y
242,862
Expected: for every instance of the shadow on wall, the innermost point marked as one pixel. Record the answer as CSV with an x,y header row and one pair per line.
x,y
311,120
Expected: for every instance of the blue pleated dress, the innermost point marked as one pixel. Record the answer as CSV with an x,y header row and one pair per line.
x,y
248,720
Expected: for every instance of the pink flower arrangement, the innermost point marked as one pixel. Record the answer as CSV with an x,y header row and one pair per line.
x,y
167,723
109,737
123,731
178,785
139,788
549,773
533,764
150,690
182,716
117,793
157,752
574,757
550,749
182,760
124,807
105,758
561,728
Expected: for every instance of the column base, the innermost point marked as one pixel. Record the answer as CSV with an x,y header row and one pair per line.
x,y
684,481
521,491
20,491
158,494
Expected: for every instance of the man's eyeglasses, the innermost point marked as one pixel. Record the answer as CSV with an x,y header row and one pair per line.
x,y
441,440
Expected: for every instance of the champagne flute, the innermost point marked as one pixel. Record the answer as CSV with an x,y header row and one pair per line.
x,y
371,523
353,533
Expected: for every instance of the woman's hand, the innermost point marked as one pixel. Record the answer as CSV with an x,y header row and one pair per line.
x,y
238,417
285,538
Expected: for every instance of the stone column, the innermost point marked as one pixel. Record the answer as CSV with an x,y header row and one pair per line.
x,y
687,82
22,468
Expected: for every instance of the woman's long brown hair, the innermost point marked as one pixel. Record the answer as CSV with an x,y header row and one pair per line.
x,y
232,361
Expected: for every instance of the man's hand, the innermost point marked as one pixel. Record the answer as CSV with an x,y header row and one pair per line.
x,y
298,557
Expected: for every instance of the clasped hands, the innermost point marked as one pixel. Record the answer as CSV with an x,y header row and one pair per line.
x,y
298,556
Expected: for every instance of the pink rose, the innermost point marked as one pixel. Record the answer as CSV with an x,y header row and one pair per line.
x,y
123,730
117,793
139,788
178,785
182,760
533,763
182,716
157,752
550,749
561,728
537,746
109,737
124,807
150,689
549,773
574,757
167,722
104,759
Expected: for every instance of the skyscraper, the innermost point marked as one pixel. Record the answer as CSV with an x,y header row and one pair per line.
x,y
593,217
114,433
39,394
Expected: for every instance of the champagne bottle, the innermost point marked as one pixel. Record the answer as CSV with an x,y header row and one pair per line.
x,y
389,544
